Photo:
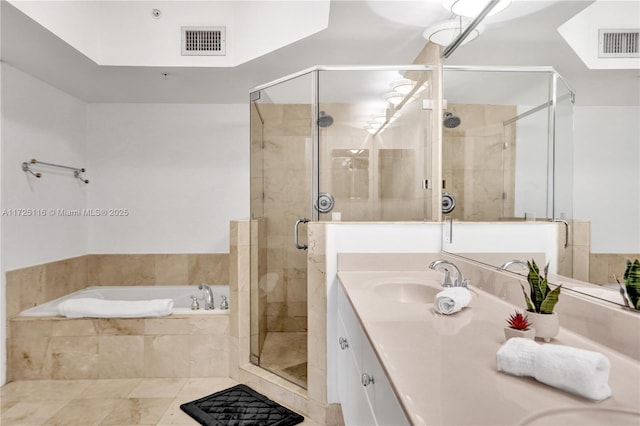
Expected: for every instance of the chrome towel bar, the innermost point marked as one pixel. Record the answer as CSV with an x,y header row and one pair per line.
x,y
26,167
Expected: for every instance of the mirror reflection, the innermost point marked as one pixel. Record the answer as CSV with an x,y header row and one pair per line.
x,y
508,166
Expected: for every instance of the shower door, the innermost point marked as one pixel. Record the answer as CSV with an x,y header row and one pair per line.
x,y
282,155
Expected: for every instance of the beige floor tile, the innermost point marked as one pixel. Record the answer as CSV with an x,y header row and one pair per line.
x,y
83,412
198,388
157,388
33,412
137,411
109,388
54,390
175,416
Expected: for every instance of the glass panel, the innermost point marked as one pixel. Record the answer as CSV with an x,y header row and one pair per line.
x,y
281,160
563,188
494,145
374,149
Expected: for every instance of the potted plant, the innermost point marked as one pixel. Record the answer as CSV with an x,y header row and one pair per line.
x,y
540,302
519,326
631,284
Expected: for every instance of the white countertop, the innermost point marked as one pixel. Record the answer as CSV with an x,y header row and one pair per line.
x,y
443,368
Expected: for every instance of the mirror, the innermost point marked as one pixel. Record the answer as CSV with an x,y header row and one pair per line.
x,y
509,165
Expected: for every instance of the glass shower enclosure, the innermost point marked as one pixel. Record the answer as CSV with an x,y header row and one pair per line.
x,y
328,144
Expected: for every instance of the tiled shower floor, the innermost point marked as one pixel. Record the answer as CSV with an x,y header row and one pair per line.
x,y
104,402
285,353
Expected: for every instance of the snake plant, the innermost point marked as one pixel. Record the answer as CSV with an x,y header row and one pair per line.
x,y
632,282
541,298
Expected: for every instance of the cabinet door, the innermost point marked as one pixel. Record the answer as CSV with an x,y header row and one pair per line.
x,y
344,361
386,407
356,408
351,324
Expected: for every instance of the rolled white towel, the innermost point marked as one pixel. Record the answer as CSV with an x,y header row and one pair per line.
x,y
582,372
99,308
452,300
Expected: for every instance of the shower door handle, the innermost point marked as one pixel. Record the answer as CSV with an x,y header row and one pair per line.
x,y
295,234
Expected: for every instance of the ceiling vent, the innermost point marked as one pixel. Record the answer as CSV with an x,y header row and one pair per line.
x,y
617,43
204,41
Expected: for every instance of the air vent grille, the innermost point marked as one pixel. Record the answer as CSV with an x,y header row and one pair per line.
x,y
619,43
204,41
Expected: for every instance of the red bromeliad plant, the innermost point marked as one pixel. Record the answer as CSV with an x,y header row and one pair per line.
x,y
518,321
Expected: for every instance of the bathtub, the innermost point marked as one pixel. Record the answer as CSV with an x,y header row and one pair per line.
x,y
181,295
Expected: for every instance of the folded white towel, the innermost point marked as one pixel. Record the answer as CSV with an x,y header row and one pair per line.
x,y
99,308
452,300
585,373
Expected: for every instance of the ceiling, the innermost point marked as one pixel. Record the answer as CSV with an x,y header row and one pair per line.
x,y
359,33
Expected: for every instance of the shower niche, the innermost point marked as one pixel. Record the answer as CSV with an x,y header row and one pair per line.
x,y
328,143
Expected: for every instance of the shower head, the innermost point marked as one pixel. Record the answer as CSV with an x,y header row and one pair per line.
x,y
451,121
324,119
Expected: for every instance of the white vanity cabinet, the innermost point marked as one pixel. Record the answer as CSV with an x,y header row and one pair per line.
x,y
366,395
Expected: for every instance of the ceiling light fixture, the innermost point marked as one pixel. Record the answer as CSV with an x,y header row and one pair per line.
x,y
403,86
446,32
394,98
472,8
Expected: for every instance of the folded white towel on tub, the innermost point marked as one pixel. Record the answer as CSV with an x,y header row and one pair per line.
x,y
579,371
100,308
452,300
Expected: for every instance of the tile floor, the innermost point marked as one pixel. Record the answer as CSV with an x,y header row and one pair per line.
x,y
105,402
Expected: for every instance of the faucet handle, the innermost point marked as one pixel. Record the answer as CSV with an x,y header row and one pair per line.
x,y
194,303
224,304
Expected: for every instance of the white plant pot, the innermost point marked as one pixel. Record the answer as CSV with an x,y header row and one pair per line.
x,y
512,332
546,325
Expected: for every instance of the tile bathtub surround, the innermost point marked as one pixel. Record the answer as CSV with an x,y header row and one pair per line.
x,y
60,348
604,266
28,287
33,285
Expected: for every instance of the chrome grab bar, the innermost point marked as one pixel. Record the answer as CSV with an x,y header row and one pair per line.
x,y
295,234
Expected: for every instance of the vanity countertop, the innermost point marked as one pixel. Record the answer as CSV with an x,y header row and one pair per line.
x,y
443,368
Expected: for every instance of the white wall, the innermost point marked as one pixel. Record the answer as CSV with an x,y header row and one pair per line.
x,y
181,172
531,180
39,122
607,176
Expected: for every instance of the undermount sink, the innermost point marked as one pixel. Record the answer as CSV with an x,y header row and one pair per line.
x,y
407,292
584,416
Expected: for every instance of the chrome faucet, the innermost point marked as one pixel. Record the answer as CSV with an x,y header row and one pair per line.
x,y
208,296
448,266
506,265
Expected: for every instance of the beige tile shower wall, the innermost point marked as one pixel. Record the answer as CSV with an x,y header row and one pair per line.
x,y
604,267
286,156
475,163
60,348
381,179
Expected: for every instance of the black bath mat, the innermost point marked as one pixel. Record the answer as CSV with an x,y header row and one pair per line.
x,y
240,406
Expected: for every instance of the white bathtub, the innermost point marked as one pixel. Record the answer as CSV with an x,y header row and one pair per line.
x,y
181,295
